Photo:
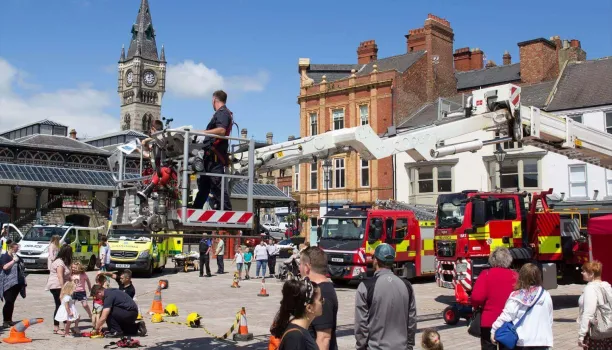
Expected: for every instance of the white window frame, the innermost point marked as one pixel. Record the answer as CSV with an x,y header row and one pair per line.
x,y
366,120
417,189
342,119
314,123
314,171
363,168
577,118
339,178
608,128
609,183
296,178
495,180
437,178
585,182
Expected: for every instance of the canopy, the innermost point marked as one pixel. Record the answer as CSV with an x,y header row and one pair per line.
x,y
600,231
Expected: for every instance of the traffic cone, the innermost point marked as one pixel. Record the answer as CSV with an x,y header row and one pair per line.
x,y
243,329
17,334
163,284
236,279
156,306
263,292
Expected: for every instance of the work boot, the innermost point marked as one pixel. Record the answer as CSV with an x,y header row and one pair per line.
x,y
142,329
144,194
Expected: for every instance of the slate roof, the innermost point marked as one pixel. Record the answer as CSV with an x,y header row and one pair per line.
x,y
118,133
41,122
533,95
335,72
140,45
488,76
54,142
584,84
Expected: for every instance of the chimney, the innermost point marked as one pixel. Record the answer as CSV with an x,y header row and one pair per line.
x,y
73,134
571,51
507,58
269,138
539,60
461,57
476,61
367,52
243,133
575,43
491,64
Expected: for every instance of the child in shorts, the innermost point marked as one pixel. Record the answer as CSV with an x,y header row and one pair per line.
x,y
98,305
79,278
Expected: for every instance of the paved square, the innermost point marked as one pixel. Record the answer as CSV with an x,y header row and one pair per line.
x,y
217,302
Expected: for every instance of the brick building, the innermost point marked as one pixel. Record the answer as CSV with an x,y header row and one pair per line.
x,y
374,91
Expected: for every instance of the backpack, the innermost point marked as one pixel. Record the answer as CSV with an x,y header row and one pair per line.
x,y
601,326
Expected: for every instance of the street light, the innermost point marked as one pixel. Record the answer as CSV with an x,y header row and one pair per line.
x,y
326,168
500,155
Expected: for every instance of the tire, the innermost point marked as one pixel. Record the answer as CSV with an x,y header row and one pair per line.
x,y
92,263
451,317
149,272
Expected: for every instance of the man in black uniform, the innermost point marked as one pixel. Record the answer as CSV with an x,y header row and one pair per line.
x,y
205,247
216,156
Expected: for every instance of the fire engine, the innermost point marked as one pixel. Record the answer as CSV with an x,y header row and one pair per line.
x,y
472,224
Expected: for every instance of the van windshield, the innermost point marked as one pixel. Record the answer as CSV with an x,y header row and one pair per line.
x,y
344,228
130,235
43,234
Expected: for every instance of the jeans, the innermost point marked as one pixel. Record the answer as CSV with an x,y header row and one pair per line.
x,y
204,261
212,185
261,264
56,298
220,264
10,295
123,321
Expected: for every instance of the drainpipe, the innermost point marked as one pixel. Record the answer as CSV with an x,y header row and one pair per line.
x,y
393,160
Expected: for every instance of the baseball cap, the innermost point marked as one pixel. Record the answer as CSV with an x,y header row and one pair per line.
x,y
385,253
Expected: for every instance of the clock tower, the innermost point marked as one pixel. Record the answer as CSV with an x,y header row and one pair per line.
x,y
142,75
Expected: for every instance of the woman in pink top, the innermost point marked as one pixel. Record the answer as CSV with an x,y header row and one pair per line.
x,y
53,249
59,273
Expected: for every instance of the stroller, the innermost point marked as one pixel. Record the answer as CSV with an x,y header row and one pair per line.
x,y
289,269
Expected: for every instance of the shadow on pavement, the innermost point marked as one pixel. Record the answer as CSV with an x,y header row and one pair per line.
x,y
445,299
261,343
561,302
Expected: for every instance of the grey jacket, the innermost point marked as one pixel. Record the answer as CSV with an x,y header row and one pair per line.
x,y
390,323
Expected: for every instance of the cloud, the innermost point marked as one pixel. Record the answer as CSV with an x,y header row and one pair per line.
x,y
194,80
82,108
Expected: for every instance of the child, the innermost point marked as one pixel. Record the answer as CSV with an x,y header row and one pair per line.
x,y
102,281
104,253
238,259
124,280
98,304
79,278
68,312
248,258
431,340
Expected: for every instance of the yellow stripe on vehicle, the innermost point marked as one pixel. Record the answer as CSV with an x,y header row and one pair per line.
x,y
428,244
550,244
427,223
516,229
478,236
403,246
371,246
445,238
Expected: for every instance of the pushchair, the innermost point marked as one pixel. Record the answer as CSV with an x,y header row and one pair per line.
x,y
290,269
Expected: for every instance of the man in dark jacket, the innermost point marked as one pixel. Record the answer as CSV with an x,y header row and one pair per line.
x,y
385,308
205,247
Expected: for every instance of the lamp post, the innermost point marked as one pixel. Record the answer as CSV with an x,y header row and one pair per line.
x,y
15,194
326,168
500,155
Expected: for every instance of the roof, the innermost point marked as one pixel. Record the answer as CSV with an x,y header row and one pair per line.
x,y
43,122
260,192
118,133
583,84
335,72
143,35
54,142
532,95
488,76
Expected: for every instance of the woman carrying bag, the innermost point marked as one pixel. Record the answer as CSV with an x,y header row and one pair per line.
x,y
595,305
12,282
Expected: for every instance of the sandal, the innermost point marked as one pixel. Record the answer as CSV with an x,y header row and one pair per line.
x,y
58,332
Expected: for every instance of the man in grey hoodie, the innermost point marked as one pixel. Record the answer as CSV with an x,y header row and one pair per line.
x,y
385,308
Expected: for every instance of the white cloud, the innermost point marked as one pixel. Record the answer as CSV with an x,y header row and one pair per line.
x,y
194,80
82,108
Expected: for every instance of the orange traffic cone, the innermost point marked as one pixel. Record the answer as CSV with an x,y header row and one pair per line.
x,y
156,306
263,292
243,330
17,334
163,284
236,279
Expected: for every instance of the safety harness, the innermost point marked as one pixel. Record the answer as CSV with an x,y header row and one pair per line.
x,y
222,156
124,343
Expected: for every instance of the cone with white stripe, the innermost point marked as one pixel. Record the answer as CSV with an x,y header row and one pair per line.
x,y
17,334
263,292
243,329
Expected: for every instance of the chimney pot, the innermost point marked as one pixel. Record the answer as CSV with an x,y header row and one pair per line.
x,y
269,138
243,133
73,134
290,138
575,43
566,44
507,58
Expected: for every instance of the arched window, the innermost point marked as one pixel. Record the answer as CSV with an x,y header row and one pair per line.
x,y
57,158
146,122
127,120
6,154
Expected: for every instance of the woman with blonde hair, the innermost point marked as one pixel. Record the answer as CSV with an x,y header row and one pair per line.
x,y
53,250
594,304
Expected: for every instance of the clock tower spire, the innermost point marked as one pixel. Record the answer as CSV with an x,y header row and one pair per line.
x,y
142,75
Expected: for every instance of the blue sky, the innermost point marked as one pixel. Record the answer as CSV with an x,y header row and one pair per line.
x,y
58,59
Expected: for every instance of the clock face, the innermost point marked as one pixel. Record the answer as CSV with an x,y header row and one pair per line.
x,y
129,77
149,78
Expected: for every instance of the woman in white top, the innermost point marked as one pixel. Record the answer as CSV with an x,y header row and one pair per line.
x,y
536,330
597,294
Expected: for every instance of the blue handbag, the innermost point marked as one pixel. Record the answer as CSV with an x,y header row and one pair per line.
x,y
506,334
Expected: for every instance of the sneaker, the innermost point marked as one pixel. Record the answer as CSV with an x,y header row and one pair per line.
x,y
142,329
113,335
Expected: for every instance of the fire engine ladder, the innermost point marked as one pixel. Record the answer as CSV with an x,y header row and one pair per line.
x,y
567,137
423,213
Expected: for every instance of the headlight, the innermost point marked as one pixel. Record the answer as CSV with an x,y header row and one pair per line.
x,y
461,267
144,254
357,271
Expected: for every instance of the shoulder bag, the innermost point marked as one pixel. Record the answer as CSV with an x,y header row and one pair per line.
x,y
506,334
601,325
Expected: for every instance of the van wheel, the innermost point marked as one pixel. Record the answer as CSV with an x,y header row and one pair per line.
x,y
92,264
149,272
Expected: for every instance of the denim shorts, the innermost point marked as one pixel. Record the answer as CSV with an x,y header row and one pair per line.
x,y
239,266
79,296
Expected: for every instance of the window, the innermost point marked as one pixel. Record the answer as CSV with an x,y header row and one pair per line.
x,y
445,178
401,229
297,177
287,190
58,130
609,122
313,176
576,117
339,173
338,118
364,114
313,124
509,174
281,173
46,129
502,209
530,173
515,174
577,179
426,179
365,173
376,229
313,222
609,182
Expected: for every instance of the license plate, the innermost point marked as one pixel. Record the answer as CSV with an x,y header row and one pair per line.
x,y
122,266
29,261
337,259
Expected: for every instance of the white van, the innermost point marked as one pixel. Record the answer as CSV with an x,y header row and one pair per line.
x,y
34,246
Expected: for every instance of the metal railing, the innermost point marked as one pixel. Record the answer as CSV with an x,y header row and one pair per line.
x,y
185,169
31,214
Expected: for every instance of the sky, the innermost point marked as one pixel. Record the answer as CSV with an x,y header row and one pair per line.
x,y
58,59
